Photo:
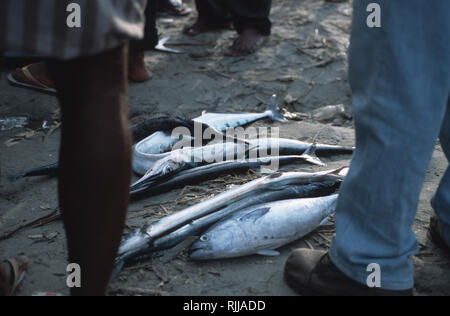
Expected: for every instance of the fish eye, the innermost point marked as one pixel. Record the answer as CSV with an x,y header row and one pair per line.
x,y
204,238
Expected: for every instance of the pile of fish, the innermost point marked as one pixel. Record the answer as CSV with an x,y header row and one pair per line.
x,y
153,137
164,168
158,145
291,204
255,218
169,170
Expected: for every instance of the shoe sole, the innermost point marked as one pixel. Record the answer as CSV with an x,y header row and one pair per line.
x,y
16,83
302,290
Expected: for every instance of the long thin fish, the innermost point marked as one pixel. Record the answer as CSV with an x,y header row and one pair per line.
x,y
261,229
203,173
191,157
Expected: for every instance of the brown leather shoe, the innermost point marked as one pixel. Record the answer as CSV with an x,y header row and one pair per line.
x,y
311,272
435,235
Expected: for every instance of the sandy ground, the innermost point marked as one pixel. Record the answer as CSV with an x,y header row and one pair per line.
x,y
304,63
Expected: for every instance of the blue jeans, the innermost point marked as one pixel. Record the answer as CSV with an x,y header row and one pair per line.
x,y
400,79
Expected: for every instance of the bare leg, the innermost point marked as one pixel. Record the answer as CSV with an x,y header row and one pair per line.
x,y
95,162
251,20
137,71
212,15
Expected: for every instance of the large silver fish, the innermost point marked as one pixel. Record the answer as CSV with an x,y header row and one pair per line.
x,y
168,224
263,228
223,121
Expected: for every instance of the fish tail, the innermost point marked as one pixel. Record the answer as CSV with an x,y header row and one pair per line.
x,y
118,266
15,177
274,111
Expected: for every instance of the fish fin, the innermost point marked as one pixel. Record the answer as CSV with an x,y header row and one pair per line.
x,y
268,252
326,222
256,214
310,156
203,112
344,171
274,111
118,266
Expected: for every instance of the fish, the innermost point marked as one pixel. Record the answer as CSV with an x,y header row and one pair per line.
x,y
150,150
296,147
48,170
223,121
154,147
198,226
164,124
139,131
152,132
206,172
141,237
263,228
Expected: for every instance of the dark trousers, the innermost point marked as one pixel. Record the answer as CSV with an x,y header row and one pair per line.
x,y
150,39
243,13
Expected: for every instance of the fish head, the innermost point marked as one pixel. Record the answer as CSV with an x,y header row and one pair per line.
x,y
218,242
164,167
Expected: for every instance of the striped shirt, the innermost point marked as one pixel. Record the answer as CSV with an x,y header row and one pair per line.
x,y
66,29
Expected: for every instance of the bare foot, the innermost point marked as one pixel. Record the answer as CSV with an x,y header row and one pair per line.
x,y
7,275
249,41
136,68
174,7
38,71
201,26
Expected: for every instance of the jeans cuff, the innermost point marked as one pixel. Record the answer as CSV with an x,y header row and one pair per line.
x,y
443,227
359,273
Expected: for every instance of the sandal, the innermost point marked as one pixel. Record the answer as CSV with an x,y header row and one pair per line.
x,y
18,273
32,82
